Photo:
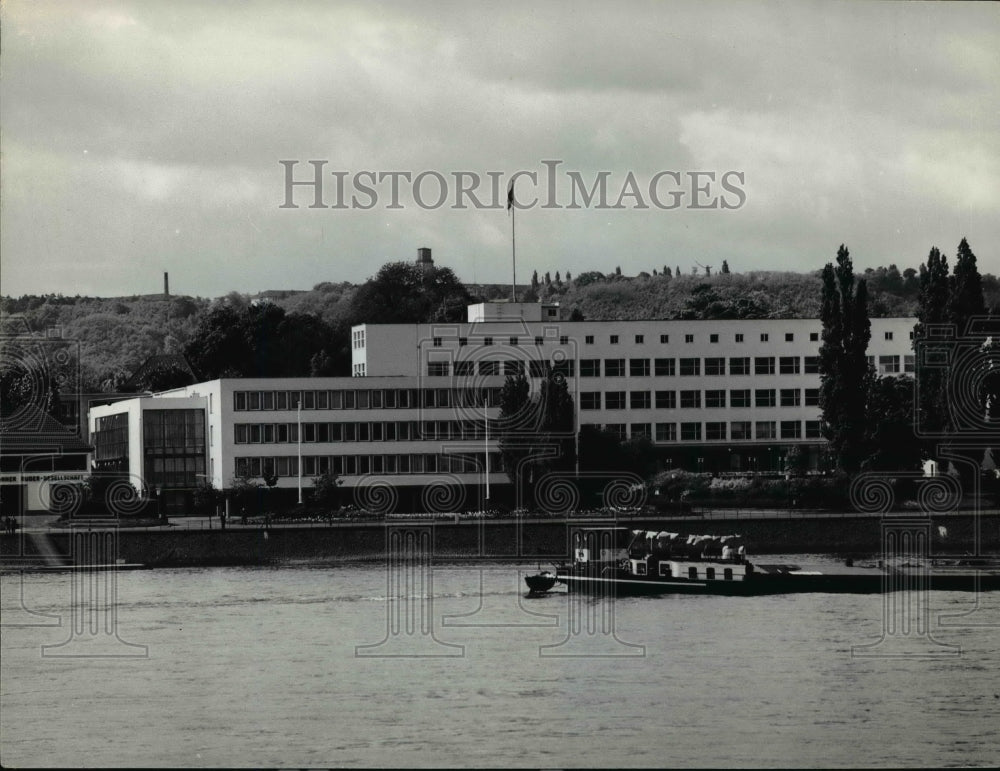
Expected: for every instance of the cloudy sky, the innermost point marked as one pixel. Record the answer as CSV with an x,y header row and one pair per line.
x,y
143,137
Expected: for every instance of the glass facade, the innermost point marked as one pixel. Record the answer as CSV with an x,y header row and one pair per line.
x,y
173,447
111,443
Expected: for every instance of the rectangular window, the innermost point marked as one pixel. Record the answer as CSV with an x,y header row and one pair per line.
x,y
253,400
739,397
739,429
764,397
690,432
435,369
664,339
715,398
437,342
789,337
739,337
888,365
814,337
462,342
714,431
690,399
464,368
763,365
791,429
713,338
616,429
715,366
812,397
909,363
888,335
788,365
664,367
666,432
763,337
487,368
241,433
640,339
267,400
590,400
614,339
590,367
513,367
666,400
688,338
791,397
811,365
639,400
240,401
639,430
739,365
513,340
588,340
536,368
539,340
638,367
614,400
487,340
690,367
765,429
814,429
614,368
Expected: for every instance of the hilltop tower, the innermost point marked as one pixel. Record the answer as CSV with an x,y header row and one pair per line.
x,y
424,260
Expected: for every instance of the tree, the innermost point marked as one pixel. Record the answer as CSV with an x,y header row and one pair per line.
x,y
891,444
725,267
568,277
403,292
965,290
326,490
845,376
556,419
667,272
932,309
516,424
534,280
548,278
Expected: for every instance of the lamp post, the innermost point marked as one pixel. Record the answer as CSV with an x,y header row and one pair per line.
x,y
298,408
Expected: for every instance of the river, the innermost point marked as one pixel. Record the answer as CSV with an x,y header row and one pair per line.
x,y
315,665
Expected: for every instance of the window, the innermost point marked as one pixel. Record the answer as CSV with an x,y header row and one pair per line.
x,y
614,367
690,367
665,571
536,369
763,337
437,342
727,574
812,397
666,432
814,429
437,369
513,368
739,429
464,369
640,339
690,432
739,365
563,339
614,400
715,431
888,365
614,339
590,367
814,337
590,400
710,573
513,340
909,363
487,368
765,429
739,337
688,338
789,337
692,572
791,397
791,429
253,400
739,397
664,367
664,339
764,397
616,430
888,335
666,400
240,399
487,341
788,365
241,433
637,430
763,365
640,568
715,366
639,400
588,340
638,367
811,365
715,398
462,342
713,338
690,400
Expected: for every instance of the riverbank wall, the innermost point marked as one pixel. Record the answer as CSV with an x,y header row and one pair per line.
x,y
527,540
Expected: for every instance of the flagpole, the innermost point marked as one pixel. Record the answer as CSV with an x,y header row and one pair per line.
x,y
486,450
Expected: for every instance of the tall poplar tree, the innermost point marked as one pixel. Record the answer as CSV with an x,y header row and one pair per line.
x,y
932,309
845,376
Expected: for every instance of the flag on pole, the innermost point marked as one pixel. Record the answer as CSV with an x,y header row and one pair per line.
x,y
510,195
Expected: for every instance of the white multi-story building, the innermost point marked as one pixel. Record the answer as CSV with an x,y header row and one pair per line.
x,y
410,423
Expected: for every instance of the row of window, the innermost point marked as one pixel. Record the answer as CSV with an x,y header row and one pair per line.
x,y
718,430
359,431
639,339
366,398
668,400
351,465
